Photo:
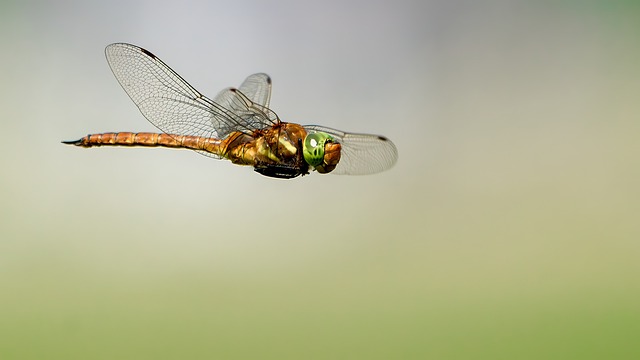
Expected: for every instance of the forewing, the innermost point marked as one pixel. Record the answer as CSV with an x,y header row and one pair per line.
x,y
168,101
361,154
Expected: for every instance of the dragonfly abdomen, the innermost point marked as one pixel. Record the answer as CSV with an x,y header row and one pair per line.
x,y
210,145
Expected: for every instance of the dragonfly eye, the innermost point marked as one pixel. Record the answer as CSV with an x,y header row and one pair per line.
x,y
313,147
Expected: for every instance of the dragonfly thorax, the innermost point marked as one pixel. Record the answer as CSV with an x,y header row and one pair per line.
x,y
274,151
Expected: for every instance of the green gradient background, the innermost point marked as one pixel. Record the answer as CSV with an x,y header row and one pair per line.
x,y
509,229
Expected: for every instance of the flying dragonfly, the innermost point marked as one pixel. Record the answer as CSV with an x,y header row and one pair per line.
x,y
236,125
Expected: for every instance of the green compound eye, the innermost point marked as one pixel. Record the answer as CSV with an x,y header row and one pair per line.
x,y
313,147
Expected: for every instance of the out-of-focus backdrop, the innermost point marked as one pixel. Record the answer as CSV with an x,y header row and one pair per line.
x,y
509,228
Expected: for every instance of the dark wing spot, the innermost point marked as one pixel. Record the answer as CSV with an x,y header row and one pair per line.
x,y
233,89
148,53
268,80
382,138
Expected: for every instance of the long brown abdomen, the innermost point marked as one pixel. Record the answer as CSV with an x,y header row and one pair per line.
x,y
210,145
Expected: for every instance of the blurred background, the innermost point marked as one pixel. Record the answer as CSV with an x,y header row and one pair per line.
x,y
507,229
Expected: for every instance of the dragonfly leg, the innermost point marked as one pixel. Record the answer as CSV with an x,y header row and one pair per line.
x,y
280,171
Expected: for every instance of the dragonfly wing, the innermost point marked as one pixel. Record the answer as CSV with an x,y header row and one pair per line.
x,y
250,102
361,154
257,88
169,102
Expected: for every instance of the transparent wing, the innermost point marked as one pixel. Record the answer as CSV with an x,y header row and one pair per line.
x,y
175,107
255,93
257,88
361,154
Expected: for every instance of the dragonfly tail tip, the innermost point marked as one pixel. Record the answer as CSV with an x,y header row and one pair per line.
x,y
72,142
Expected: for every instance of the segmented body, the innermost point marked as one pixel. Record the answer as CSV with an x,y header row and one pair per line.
x,y
277,147
149,140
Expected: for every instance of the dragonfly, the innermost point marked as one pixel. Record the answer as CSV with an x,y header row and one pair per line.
x,y
236,125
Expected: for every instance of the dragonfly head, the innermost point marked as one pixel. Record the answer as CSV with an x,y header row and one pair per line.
x,y
321,152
